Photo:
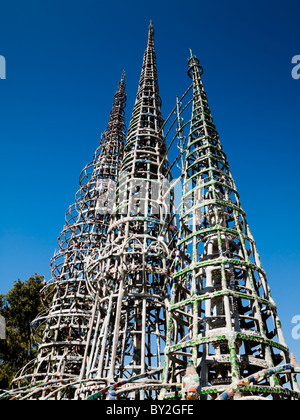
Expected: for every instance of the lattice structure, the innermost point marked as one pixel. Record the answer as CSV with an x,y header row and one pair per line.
x,y
63,327
222,315
138,309
132,272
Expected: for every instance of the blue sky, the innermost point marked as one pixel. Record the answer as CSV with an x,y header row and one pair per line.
x,y
64,60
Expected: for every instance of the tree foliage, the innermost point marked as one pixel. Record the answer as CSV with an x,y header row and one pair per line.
x,y
19,307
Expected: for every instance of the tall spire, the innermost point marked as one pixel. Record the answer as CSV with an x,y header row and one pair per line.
x,y
133,269
222,315
148,91
65,323
138,309
151,32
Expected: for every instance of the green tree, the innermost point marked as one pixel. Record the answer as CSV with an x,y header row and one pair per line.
x,y
19,307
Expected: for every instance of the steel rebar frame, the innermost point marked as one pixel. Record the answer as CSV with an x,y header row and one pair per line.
x,y
222,315
68,299
134,301
132,272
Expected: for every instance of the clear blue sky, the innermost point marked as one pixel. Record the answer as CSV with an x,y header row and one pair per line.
x,y
64,60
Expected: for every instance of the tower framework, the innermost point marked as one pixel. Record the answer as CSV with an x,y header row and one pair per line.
x,y
144,304
223,318
132,271
68,298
